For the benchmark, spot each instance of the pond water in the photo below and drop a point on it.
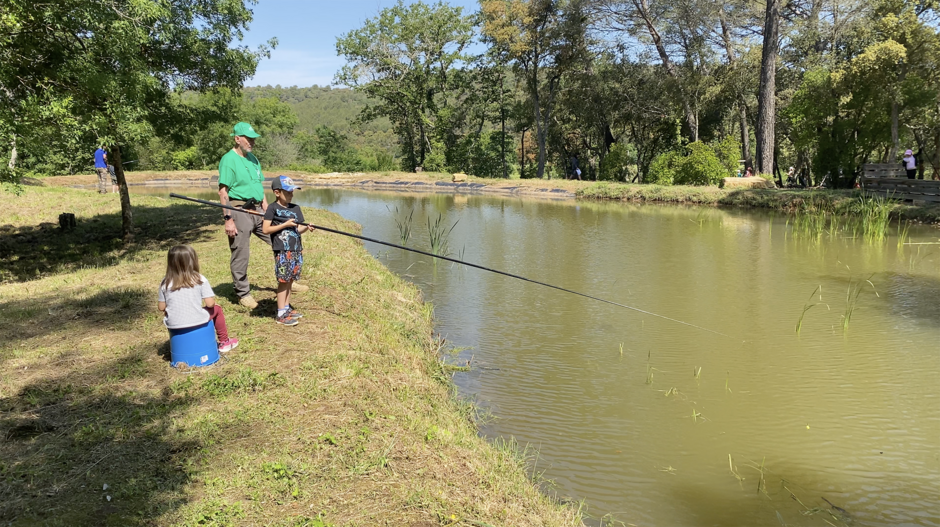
(747, 422)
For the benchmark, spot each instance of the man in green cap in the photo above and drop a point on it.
(241, 185)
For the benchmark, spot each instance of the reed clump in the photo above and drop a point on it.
(403, 222)
(439, 235)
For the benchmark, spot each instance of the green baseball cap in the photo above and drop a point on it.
(246, 130)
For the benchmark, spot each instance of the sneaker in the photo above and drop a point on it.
(298, 288)
(228, 345)
(286, 320)
(248, 302)
(295, 314)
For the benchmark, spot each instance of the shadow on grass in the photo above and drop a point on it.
(69, 443)
(73, 314)
(32, 251)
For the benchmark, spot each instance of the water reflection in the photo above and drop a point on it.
(852, 416)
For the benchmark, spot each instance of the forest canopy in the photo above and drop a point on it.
(664, 91)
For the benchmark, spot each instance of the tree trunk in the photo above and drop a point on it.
(745, 133)
(893, 152)
(539, 133)
(742, 103)
(766, 98)
(936, 155)
(12, 164)
(502, 120)
(691, 119)
(127, 219)
(777, 170)
(522, 158)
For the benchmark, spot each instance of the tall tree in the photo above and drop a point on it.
(118, 63)
(405, 59)
(767, 91)
(544, 39)
(674, 29)
(729, 15)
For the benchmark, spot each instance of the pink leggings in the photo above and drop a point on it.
(215, 314)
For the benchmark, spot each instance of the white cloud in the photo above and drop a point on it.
(293, 67)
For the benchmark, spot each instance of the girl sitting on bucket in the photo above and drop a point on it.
(183, 292)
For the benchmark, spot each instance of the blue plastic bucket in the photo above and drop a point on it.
(194, 346)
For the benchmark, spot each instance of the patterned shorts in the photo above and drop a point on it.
(287, 265)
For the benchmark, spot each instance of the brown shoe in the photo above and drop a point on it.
(248, 302)
(298, 288)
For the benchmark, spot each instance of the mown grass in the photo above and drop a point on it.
(346, 419)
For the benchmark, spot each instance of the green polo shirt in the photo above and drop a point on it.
(242, 176)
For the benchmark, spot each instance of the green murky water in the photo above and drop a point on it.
(656, 423)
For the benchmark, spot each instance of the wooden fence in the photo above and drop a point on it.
(881, 170)
(902, 188)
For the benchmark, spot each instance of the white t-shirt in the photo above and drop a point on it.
(184, 306)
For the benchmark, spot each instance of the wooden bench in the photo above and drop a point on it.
(902, 188)
(881, 170)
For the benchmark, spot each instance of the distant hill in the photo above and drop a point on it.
(335, 108)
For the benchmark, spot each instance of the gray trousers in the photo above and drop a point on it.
(104, 180)
(246, 224)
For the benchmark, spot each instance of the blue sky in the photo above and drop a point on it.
(306, 32)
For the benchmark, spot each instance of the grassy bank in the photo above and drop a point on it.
(346, 419)
(815, 201)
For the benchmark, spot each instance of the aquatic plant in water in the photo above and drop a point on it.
(807, 306)
(851, 300)
(439, 234)
(403, 223)
(875, 213)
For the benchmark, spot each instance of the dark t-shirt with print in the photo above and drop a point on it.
(287, 239)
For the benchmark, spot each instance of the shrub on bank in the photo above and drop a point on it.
(663, 169)
(700, 166)
(619, 164)
(697, 163)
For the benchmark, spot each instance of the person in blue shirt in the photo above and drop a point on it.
(101, 167)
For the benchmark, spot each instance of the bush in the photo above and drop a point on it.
(277, 150)
(700, 167)
(728, 151)
(531, 171)
(619, 164)
(435, 160)
(186, 159)
(663, 169)
(377, 161)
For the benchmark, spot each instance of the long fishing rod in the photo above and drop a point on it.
(432, 255)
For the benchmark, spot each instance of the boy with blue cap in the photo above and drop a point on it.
(282, 222)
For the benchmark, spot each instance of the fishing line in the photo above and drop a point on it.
(432, 255)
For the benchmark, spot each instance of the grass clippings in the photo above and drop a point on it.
(348, 418)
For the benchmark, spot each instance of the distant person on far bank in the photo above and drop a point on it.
(575, 169)
(749, 172)
(910, 164)
(101, 167)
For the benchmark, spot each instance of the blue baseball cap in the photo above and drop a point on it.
(284, 183)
